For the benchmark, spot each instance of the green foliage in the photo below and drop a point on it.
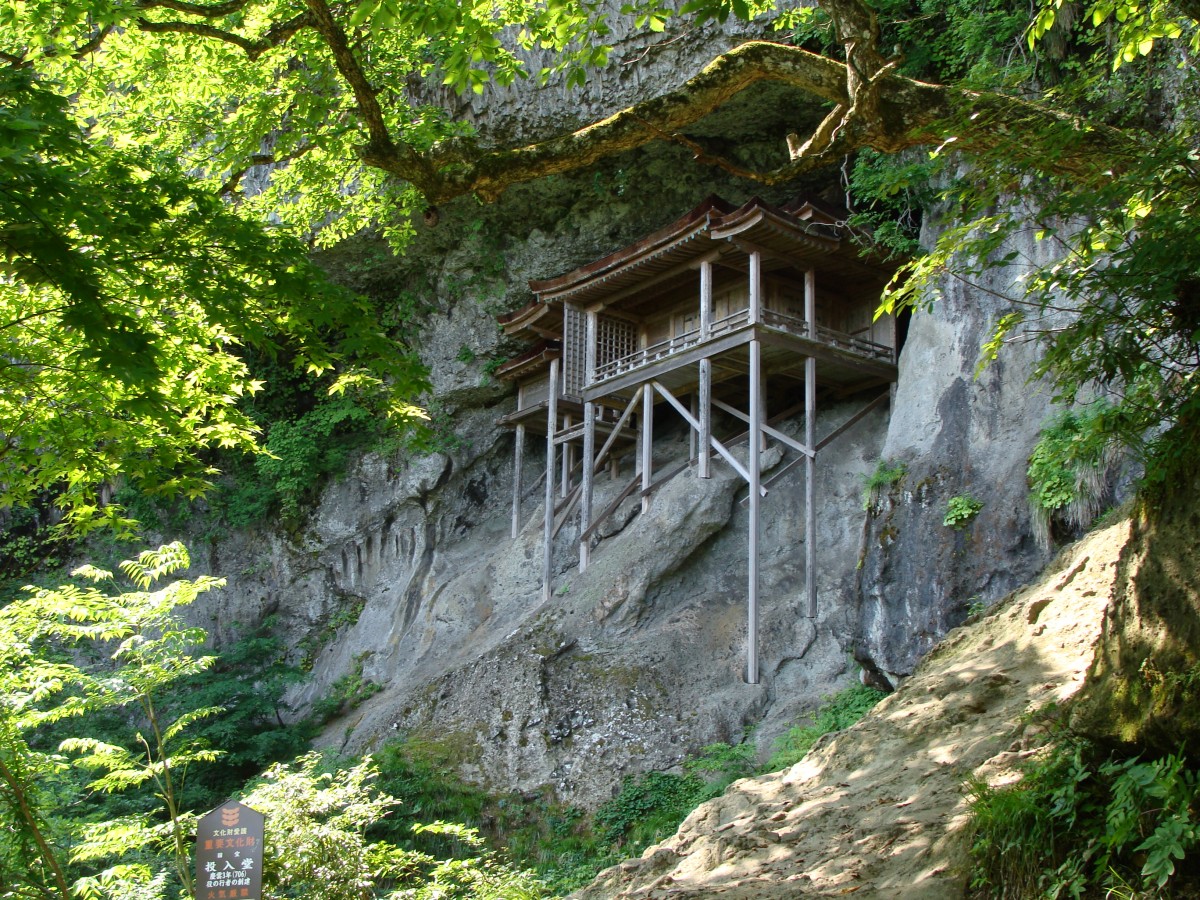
(318, 843)
(839, 712)
(648, 808)
(1074, 824)
(127, 291)
(1069, 467)
(980, 42)
(247, 680)
(888, 193)
(722, 764)
(346, 693)
(1110, 291)
(316, 823)
(885, 475)
(960, 510)
(1139, 26)
(148, 650)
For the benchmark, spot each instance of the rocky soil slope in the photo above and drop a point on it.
(879, 810)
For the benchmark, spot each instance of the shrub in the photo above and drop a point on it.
(1069, 468)
(1073, 826)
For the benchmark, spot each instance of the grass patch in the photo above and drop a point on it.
(838, 712)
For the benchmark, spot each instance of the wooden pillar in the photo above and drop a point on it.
(585, 484)
(694, 409)
(704, 466)
(810, 302)
(518, 463)
(704, 413)
(810, 440)
(589, 443)
(567, 460)
(755, 287)
(548, 541)
(810, 489)
(754, 469)
(647, 444)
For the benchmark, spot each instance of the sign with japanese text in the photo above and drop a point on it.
(229, 844)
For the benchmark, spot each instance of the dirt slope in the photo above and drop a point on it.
(878, 810)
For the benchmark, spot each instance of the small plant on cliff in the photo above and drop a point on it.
(1069, 468)
(960, 510)
(885, 475)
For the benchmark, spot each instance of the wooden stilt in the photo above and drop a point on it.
(518, 464)
(810, 439)
(589, 443)
(567, 461)
(810, 489)
(548, 541)
(755, 288)
(754, 469)
(585, 484)
(704, 411)
(704, 465)
(694, 407)
(647, 454)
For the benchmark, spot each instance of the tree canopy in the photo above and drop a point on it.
(124, 274)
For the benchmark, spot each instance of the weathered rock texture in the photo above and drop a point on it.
(959, 430)
(879, 810)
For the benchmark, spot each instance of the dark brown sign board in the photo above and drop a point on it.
(229, 854)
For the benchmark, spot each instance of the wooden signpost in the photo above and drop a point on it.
(229, 854)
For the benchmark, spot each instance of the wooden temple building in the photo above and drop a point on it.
(718, 311)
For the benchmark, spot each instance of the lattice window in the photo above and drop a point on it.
(615, 339)
(574, 350)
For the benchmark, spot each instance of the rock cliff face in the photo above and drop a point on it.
(405, 576)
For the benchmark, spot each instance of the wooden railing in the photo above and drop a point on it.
(772, 318)
(669, 347)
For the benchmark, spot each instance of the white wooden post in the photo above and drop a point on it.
(647, 444)
(810, 489)
(518, 464)
(755, 287)
(567, 453)
(753, 467)
(810, 439)
(704, 464)
(551, 423)
(589, 443)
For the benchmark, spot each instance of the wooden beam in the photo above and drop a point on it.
(643, 286)
(766, 429)
(756, 299)
(717, 445)
(567, 452)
